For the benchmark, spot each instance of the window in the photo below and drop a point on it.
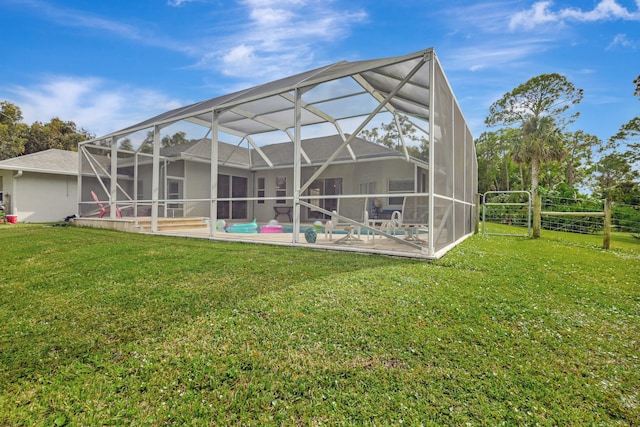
(175, 186)
(368, 188)
(261, 190)
(281, 189)
(239, 189)
(399, 187)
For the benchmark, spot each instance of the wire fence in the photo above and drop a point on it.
(512, 209)
(625, 218)
(573, 224)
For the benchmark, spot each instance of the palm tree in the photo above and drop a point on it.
(538, 108)
(541, 142)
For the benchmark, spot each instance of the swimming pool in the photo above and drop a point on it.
(288, 228)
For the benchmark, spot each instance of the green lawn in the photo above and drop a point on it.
(107, 328)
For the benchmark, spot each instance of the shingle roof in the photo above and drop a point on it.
(53, 161)
(319, 150)
(281, 154)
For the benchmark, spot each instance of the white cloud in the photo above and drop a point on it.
(537, 15)
(280, 37)
(261, 40)
(496, 55)
(604, 11)
(178, 3)
(622, 40)
(541, 13)
(91, 103)
(77, 18)
(138, 33)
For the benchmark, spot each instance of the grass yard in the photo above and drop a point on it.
(107, 328)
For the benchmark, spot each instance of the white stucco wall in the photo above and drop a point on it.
(39, 197)
(353, 175)
(197, 183)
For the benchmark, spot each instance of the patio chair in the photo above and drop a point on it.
(379, 219)
(104, 209)
(348, 214)
(414, 217)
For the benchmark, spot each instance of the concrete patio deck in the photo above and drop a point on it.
(199, 228)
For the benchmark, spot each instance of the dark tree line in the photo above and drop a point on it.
(17, 138)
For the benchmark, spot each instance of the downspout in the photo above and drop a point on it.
(14, 199)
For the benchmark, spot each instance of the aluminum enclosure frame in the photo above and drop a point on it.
(340, 101)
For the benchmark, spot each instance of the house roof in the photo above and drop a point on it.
(52, 161)
(318, 151)
(62, 162)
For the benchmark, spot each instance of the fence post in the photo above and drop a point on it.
(476, 228)
(537, 220)
(607, 224)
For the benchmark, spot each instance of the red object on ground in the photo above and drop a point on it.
(13, 219)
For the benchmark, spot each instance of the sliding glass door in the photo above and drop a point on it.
(323, 187)
(234, 187)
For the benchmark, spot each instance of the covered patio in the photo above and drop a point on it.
(375, 154)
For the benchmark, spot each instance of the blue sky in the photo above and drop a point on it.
(107, 65)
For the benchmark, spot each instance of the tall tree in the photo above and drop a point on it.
(495, 165)
(539, 108)
(489, 162)
(629, 133)
(615, 177)
(392, 134)
(12, 132)
(580, 146)
(55, 134)
(177, 138)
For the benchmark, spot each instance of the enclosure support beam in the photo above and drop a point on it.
(155, 180)
(432, 156)
(135, 186)
(476, 227)
(297, 148)
(366, 121)
(113, 190)
(213, 205)
(81, 150)
(323, 115)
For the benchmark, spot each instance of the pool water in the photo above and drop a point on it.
(288, 228)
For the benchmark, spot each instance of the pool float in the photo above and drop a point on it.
(250, 227)
(271, 228)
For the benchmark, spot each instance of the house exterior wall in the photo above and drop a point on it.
(39, 197)
(197, 186)
(353, 176)
(197, 179)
